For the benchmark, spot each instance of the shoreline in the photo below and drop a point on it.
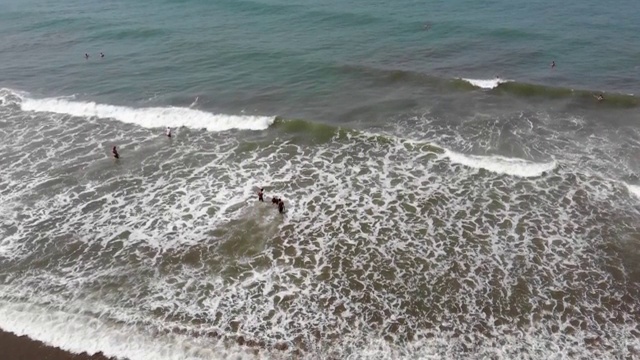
(16, 347)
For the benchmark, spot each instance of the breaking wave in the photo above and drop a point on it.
(150, 117)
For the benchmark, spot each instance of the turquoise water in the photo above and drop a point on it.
(448, 194)
(251, 52)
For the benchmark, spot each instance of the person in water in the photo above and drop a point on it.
(275, 200)
(114, 151)
(168, 132)
(261, 195)
(101, 55)
(599, 97)
(86, 56)
(280, 206)
(553, 64)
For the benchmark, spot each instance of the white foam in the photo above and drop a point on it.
(634, 189)
(10, 97)
(500, 164)
(151, 117)
(407, 204)
(78, 333)
(486, 83)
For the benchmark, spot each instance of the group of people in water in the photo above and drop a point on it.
(116, 155)
(274, 200)
(86, 55)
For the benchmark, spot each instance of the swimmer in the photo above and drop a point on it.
(101, 55)
(168, 132)
(599, 97)
(261, 194)
(281, 206)
(553, 64)
(275, 200)
(114, 151)
(86, 56)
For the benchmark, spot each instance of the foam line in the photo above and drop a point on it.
(151, 117)
(501, 165)
(80, 333)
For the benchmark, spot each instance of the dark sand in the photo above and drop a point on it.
(13, 347)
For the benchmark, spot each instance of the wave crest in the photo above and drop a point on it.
(150, 117)
(500, 164)
(486, 83)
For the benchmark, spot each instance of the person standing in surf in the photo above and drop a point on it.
(553, 64)
(280, 206)
(168, 132)
(114, 151)
(261, 195)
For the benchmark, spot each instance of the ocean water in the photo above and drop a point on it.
(448, 194)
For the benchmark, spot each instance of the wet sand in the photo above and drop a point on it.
(23, 348)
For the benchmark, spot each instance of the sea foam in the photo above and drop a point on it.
(634, 189)
(500, 164)
(150, 117)
(486, 83)
(78, 333)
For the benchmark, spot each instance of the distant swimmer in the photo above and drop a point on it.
(101, 55)
(599, 97)
(114, 151)
(261, 195)
(168, 132)
(275, 200)
(86, 56)
(553, 64)
(281, 206)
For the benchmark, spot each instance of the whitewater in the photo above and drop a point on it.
(195, 119)
(395, 244)
(149, 117)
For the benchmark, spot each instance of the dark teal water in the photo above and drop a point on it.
(432, 209)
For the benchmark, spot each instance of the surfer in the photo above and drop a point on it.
(280, 206)
(261, 195)
(599, 97)
(168, 132)
(114, 151)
